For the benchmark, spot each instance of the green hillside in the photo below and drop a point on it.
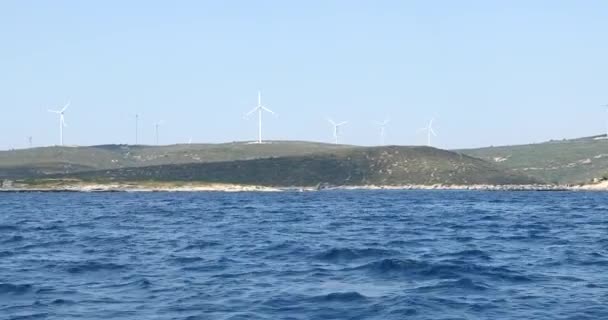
(563, 161)
(62, 160)
(351, 166)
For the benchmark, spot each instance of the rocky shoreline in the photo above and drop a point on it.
(177, 187)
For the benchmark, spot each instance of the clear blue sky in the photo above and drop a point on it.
(491, 72)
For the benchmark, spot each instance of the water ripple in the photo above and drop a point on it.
(322, 255)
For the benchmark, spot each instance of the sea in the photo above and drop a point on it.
(350, 254)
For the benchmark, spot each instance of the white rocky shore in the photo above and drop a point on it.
(134, 187)
(79, 186)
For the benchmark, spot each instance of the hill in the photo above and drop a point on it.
(65, 160)
(563, 161)
(343, 166)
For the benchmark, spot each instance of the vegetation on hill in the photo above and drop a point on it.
(564, 161)
(346, 166)
(64, 160)
(306, 163)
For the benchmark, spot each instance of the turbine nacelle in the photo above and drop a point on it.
(336, 124)
(382, 123)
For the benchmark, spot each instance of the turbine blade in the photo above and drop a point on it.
(433, 132)
(63, 123)
(331, 121)
(268, 110)
(66, 106)
(342, 123)
(252, 111)
(54, 111)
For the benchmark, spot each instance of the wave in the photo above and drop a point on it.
(57, 243)
(346, 254)
(186, 260)
(4, 254)
(8, 227)
(31, 316)
(198, 245)
(386, 266)
(462, 284)
(108, 240)
(283, 246)
(473, 253)
(49, 228)
(599, 263)
(15, 238)
(442, 270)
(218, 265)
(9, 288)
(62, 302)
(492, 218)
(141, 283)
(93, 266)
(340, 297)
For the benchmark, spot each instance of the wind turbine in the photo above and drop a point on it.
(136, 128)
(260, 108)
(336, 128)
(156, 126)
(382, 125)
(429, 130)
(606, 106)
(62, 123)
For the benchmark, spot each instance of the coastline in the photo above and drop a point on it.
(222, 187)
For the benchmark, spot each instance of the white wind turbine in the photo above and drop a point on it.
(62, 123)
(260, 109)
(336, 128)
(429, 130)
(606, 106)
(136, 129)
(382, 125)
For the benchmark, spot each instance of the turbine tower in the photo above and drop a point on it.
(136, 129)
(260, 108)
(606, 106)
(382, 125)
(429, 130)
(62, 123)
(156, 126)
(336, 128)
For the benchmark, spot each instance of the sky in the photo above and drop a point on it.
(489, 72)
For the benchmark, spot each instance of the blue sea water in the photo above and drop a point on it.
(318, 255)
